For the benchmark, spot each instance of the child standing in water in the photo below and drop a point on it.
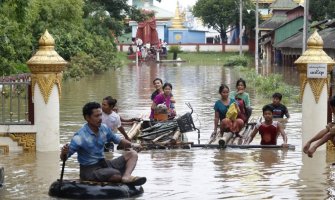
(269, 129)
(279, 110)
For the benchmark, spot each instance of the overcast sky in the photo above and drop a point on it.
(170, 5)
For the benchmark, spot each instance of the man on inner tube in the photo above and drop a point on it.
(89, 143)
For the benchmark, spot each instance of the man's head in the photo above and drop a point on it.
(267, 112)
(276, 98)
(108, 103)
(92, 114)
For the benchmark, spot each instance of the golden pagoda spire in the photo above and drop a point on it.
(46, 67)
(177, 21)
(314, 55)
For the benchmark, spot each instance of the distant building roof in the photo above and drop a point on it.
(288, 21)
(283, 5)
(274, 22)
(328, 36)
(287, 29)
(279, 9)
(299, 7)
(295, 41)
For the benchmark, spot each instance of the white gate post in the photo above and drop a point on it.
(46, 67)
(314, 66)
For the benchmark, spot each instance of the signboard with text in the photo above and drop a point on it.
(317, 70)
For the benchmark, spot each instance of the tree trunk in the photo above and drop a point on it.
(223, 38)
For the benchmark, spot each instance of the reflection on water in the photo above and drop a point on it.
(180, 174)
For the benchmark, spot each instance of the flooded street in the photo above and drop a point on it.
(181, 174)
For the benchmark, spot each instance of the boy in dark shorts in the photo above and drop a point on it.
(269, 129)
(279, 110)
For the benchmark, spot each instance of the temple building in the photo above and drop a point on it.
(179, 33)
(162, 17)
(265, 10)
(173, 28)
(281, 14)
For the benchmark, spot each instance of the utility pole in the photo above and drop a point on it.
(256, 39)
(305, 28)
(240, 27)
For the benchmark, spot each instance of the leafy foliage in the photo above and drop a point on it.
(322, 9)
(84, 32)
(236, 60)
(112, 14)
(15, 42)
(220, 14)
(175, 49)
(267, 85)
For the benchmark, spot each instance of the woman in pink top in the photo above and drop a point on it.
(164, 98)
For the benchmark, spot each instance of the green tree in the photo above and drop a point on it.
(82, 29)
(322, 9)
(15, 42)
(111, 14)
(220, 14)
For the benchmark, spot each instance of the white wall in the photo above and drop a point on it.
(13, 145)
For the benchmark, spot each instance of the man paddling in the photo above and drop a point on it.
(89, 143)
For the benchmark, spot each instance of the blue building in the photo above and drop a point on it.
(178, 33)
(170, 28)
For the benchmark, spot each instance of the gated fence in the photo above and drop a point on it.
(16, 106)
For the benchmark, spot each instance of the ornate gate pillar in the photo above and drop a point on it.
(314, 66)
(46, 67)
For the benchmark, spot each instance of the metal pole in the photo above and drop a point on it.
(137, 55)
(61, 177)
(240, 27)
(256, 39)
(304, 33)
